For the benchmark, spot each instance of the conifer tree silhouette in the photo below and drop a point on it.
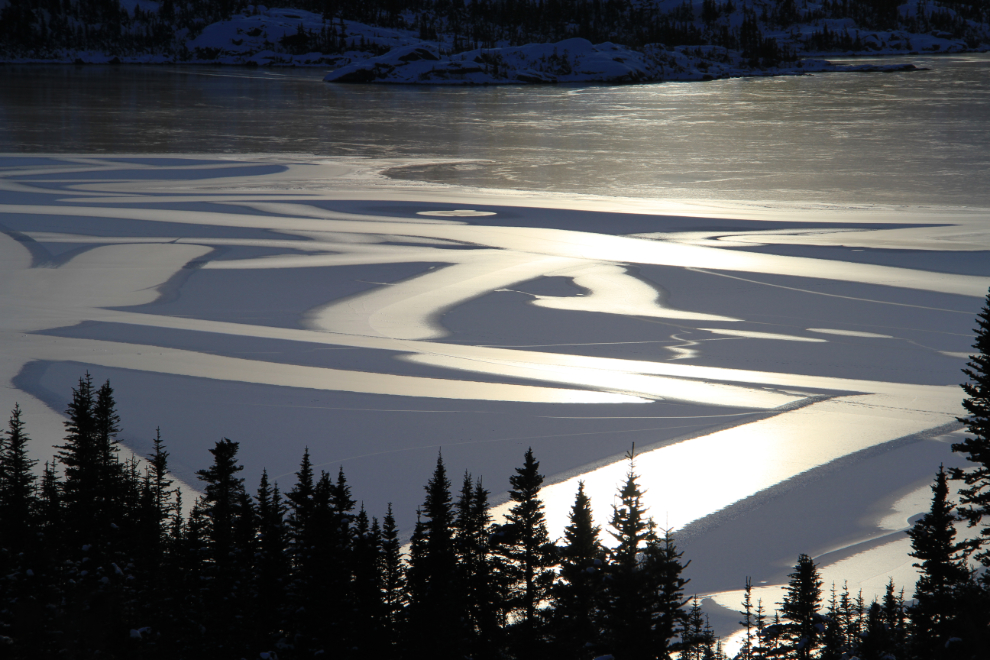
(529, 556)
(802, 601)
(272, 572)
(577, 594)
(935, 613)
(227, 518)
(643, 604)
(435, 623)
(18, 489)
(393, 580)
(975, 497)
(481, 573)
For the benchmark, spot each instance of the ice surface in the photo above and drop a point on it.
(740, 362)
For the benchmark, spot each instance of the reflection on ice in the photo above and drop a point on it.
(740, 461)
(849, 333)
(555, 243)
(137, 247)
(204, 365)
(751, 334)
(457, 213)
(411, 309)
(947, 237)
(657, 387)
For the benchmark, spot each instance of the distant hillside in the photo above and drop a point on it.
(759, 34)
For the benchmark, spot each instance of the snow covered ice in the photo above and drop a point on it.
(378, 323)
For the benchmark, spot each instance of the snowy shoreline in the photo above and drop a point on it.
(267, 37)
(571, 61)
(610, 64)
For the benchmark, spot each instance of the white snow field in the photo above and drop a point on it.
(789, 374)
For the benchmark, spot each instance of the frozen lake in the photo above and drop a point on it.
(768, 285)
(895, 138)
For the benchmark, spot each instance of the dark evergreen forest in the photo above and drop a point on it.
(43, 28)
(97, 560)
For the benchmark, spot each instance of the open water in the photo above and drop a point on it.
(891, 138)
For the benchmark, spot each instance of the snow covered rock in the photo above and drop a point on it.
(572, 60)
(569, 61)
(285, 36)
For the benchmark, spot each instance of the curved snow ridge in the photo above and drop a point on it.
(569, 61)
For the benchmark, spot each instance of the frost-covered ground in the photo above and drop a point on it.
(788, 374)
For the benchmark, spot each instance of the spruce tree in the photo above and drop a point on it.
(151, 549)
(664, 568)
(393, 581)
(342, 505)
(895, 618)
(491, 592)
(80, 457)
(107, 426)
(876, 642)
(578, 593)
(643, 604)
(335, 548)
(694, 639)
(800, 608)
(25, 567)
(321, 521)
(228, 516)
(434, 618)
(847, 619)
(975, 497)
(301, 498)
(18, 491)
(272, 571)
(324, 568)
(746, 649)
(627, 620)
(416, 585)
(51, 509)
(480, 572)
(936, 612)
(764, 642)
(194, 597)
(100, 493)
(306, 577)
(833, 639)
(857, 621)
(529, 556)
(161, 486)
(222, 499)
(245, 544)
(368, 616)
(113, 484)
(772, 642)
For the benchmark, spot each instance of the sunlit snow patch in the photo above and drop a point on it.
(457, 213)
(752, 334)
(849, 333)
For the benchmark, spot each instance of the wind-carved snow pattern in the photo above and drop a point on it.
(89, 243)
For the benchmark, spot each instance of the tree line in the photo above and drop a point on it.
(44, 28)
(97, 559)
